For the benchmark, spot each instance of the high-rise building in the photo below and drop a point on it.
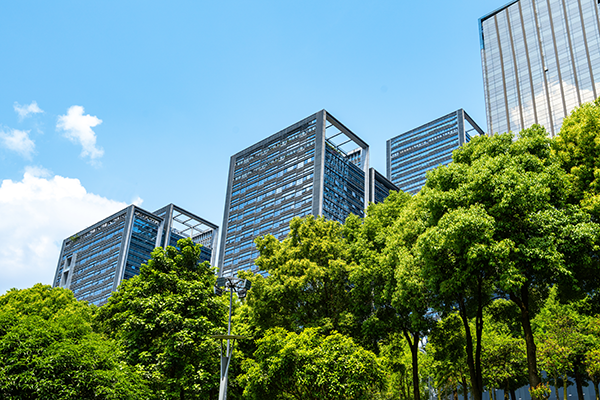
(93, 262)
(413, 153)
(316, 166)
(540, 59)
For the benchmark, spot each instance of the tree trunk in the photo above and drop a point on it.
(506, 391)
(455, 392)
(523, 303)
(578, 380)
(513, 395)
(465, 388)
(475, 381)
(493, 392)
(565, 381)
(414, 349)
(556, 388)
(596, 389)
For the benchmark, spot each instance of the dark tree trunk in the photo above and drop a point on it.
(513, 395)
(465, 388)
(506, 392)
(596, 389)
(522, 302)
(475, 382)
(414, 349)
(578, 380)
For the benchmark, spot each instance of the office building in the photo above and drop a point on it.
(379, 186)
(413, 153)
(316, 166)
(95, 261)
(540, 59)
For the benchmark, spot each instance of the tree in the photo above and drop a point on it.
(561, 332)
(446, 350)
(311, 366)
(592, 356)
(48, 350)
(520, 195)
(503, 360)
(163, 318)
(577, 148)
(461, 258)
(388, 296)
(308, 280)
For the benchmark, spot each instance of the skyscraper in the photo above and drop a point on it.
(413, 153)
(93, 262)
(540, 59)
(316, 166)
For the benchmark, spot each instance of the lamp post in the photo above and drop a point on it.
(241, 287)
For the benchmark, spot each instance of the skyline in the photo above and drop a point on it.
(144, 103)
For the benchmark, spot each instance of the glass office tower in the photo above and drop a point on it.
(93, 262)
(413, 153)
(316, 166)
(540, 59)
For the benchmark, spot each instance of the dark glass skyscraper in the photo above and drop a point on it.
(95, 261)
(540, 59)
(413, 153)
(316, 166)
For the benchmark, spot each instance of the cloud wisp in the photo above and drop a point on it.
(17, 141)
(78, 128)
(25, 111)
(37, 214)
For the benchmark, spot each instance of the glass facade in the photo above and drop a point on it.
(316, 166)
(540, 60)
(413, 153)
(96, 260)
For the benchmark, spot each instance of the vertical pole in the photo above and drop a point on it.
(225, 360)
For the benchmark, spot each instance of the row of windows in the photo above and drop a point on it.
(107, 250)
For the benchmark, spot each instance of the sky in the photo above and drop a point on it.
(104, 104)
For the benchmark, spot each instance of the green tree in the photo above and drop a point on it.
(163, 318)
(388, 294)
(48, 350)
(577, 148)
(460, 262)
(516, 195)
(308, 280)
(446, 350)
(561, 333)
(592, 356)
(308, 366)
(503, 360)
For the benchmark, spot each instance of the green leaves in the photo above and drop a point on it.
(48, 350)
(163, 318)
(310, 366)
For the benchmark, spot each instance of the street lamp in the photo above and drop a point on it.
(241, 287)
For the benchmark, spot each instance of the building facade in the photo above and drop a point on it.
(540, 60)
(413, 153)
(316, 166)
(93, 262)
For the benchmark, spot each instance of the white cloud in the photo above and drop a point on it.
(78, 128)
(26, 110)
(18, 141)
(37, 214)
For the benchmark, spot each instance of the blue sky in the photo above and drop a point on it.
(107, 103)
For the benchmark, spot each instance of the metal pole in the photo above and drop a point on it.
(225, 360)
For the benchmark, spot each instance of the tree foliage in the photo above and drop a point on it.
(311, 366)
(48, 350)
(163, 319)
